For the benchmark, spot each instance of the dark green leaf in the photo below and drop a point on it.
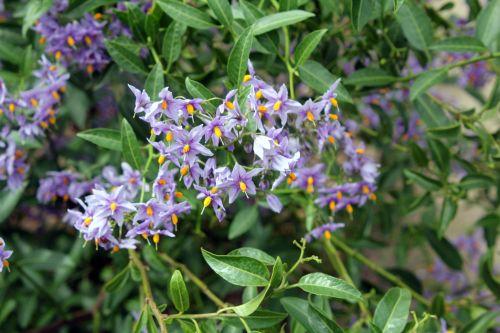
(307, 46)
(154, 82)
(34, 10)
(488, 25)
(459, 44)
(178, 292)
(278, 20)
(124, 57)
(118, 281)
(9, 200)
(238, 270)
(432, 115)
(251, 252)
(488, 275)
(188, 15)
(481, 323)
(326, 285)
(198, 90)
(363, 11)
(302, 311)
(416, 25)
(449, 131)
(223, 12)
(103, 137)
(238, 58)
(130, 146)
(427, 183)
(172, 42)
(425, 81)
(370, 77)
(259, 319)
(244, 220)
(392, 311)
(448, 212)
(440, 154)
(446, 251)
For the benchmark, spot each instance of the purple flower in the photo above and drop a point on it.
(311, 178)
(212, 198)
(330, 97)
(310, 112)
(216, 129)
(111, 204)
(278, 103)
(142, 101)
(324, 230)
(241, 181)
(187, 146)
(274, 203)
(4, 255)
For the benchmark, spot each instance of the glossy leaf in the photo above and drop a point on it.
(416, 25)
(307, 46)
(326, 285)
(370, 77)
(303, 312)
(392, 311)
(238, 58)
(103, 137)
(244, 220)
(124, 57)
(459, 44)
(238, 270)
(320, 79)
(425, 81)
(185, 14)
(278, 20)
(154, 81)
(223, 12)
(178, 292)
(258, 254)
(130, 146)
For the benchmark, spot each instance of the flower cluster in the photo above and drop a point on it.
(26, 116)
(79, 43)
(4, 255)
(196, 144)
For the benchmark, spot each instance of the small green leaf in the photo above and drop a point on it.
(238, 270)
(87, 6)
(244, 220)
(363, 11)
(188, 15)
(448, 131)
(9, 200)
(34, 10)
(440, 155)
(425, 81)
(473, 181)
(392, 311)
(178, 292)
(259, 319)
(326, 285)
(307, 46)
(488, 25)
(487, 273)
(427, 183)
(416, 25)
(238, 58)
(278, 20)
(448, 212)
(431, 114)
(305, 314)
(370, 77)
(459, 44)
(320, 79)
(172, 42)
(481, 323)
(154, 81)
(446, 251)
(124, 57)
(118, 281)
(130, 146)
(223, 12)
(251, 252)
(103, 137)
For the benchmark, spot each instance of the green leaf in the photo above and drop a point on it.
(363, 11)
(392, 311)
(488, 25)
(416, 25)
(481, 323)
(223, 12)
(11, 53)
(188, 15)
(238, 58)
(34, 10)
(288, 5)
(278, 20)
(9, 200)
(427, 183)
(431, 114)
(326, 285)
(198, 90)
(118, 281)
(397, 4)
(459, 44)
(259, 319)
(307, 46)
(87, 6)
(178, 292)
(76, 105)
(152, 23)
(370, 77)
(238, 270)
(473, 181)
(441, 155)
(251, 252)
(425, 81)
(446, 250)
(154, 82)
(305, 314)
(448, 212)
(172, 42)
(448, 131)
(130, 146)
(124, 57)
(103, 137)
(487, 273)
(244, 220)
(320, 79)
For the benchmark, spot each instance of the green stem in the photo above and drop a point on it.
(287, 59)
(134, 257)
(203, 287)
(376, 268)
(210, 315)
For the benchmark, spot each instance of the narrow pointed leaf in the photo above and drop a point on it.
(370, 77)
(448, 212)
(326, 285)
(488, 25)
(392, 311)
(307, 46)
(238, 58)
(425, 81)
(188, 15)
(278, 20)
(124, 57)
(459, 44)
(172, 42)
(223, 12)
(103, 137)
(154, 81)
(416, 25)
(130, 146)
(178, 292)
